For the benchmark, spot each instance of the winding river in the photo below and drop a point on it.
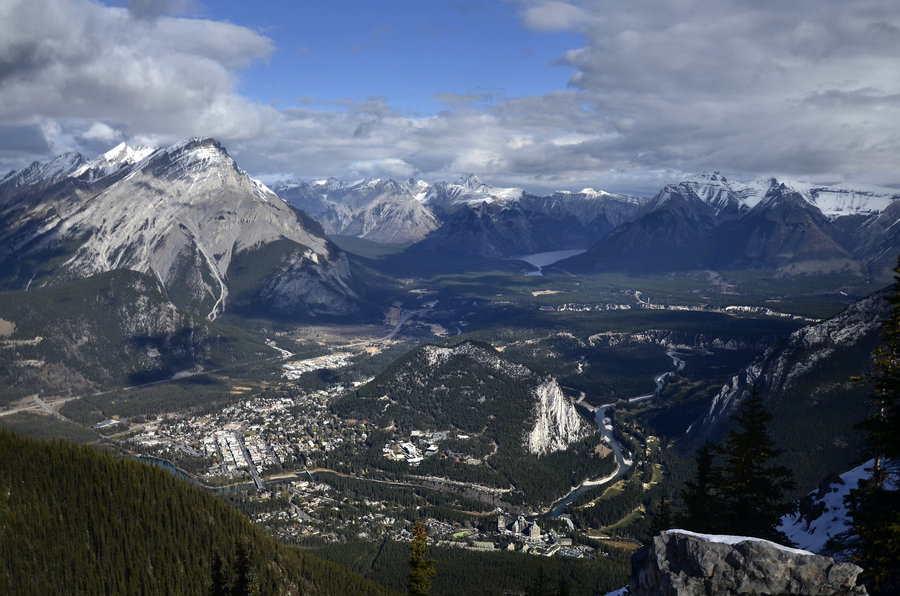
(624, 460)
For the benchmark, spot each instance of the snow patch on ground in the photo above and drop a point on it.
(813, 535)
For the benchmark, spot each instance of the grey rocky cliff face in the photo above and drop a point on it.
(683, 563)
(784, 364)
(181, 214)
(378, 210)
(557, 423)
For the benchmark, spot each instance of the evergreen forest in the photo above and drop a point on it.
(75, 520)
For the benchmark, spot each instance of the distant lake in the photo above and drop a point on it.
(539, 260)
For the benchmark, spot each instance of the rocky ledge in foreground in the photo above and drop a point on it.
(683, 563)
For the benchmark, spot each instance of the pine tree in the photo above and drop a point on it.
(874, 506)
(245, 581)
(663, 519)
(700, 500)
(751, 486)
(421, 569)
(219, 585)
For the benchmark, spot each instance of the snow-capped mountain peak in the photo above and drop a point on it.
(590, 193)
(195, 154)
(182, 214)
(832, 200)
(122, 153)
(715, 190)
(120, 156)
(838, 200)
(468, 191)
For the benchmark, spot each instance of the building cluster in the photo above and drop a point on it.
(313, 509)
(421, 444)
(295, 369)
(269, 433)
(512, 533)
(310, 508)
(223, 447)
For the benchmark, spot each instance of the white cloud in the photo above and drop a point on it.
(807, 89)
(84, 64)
(555, 16)
(102, 132)
(391, 167)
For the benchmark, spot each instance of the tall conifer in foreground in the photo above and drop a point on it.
(746, 494)
(702, 508)
(420, 569)
(874, 506)
(752, 486)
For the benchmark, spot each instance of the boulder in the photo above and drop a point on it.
(683, 563)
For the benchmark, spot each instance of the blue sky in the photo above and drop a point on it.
(540, 94)
(414, 54)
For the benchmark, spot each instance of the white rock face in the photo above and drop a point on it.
(557, 423)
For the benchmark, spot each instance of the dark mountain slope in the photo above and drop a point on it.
(781, 229)
(673, 233)
(806, 382)
(495, 231)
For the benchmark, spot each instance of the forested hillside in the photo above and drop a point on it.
(112, 329)
(470, 388)
(77, 521)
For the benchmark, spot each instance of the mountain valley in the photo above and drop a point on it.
(341, 359)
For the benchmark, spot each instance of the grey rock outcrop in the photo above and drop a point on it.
(684, 563)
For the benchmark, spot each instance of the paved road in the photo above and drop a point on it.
(253, 471)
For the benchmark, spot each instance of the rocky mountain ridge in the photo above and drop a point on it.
(182, 214)
(807, 376)
(495, 221)
(704, 220)
(792, 228)
(384, 211)
(783, 365)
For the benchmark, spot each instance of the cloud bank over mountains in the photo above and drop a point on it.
(807, 89)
